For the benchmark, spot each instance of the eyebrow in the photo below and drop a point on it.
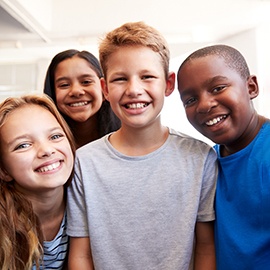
(25, 136)
(17, 139)
(68, 78)
(213, 79)
(186, 92)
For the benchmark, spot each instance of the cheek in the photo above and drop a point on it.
(98, 100)
(69, 157)
(99, 96)
(60, 95)
(70, 160)
(190, 113)
(96, 92)
(16, 167)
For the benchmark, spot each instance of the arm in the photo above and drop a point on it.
(80, 254)
(204, 257)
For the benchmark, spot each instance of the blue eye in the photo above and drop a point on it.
(56, 136)
(147, 77)
(119, 79)
(22, 146)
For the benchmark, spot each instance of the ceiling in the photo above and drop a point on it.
(37, 28)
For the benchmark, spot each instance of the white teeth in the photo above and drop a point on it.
(136, 105)
(50, 167)
(215, 120)
(78, 104)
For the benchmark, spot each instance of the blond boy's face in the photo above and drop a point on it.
(136, 85)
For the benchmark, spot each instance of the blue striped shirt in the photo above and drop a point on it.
(55, 251)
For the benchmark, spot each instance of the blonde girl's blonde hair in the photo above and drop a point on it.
(20, 235)
(134, 34)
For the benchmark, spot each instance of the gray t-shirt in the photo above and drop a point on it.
(140, 212)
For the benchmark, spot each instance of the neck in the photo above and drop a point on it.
(139, 142)
(50, 209)
(250, 133)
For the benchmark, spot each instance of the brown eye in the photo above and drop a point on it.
(189, 102)
(63, 85)
(219, 88)
(86, 82)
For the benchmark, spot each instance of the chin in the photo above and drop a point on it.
(81, 119)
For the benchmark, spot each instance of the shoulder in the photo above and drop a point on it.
(92, 146)
(267, 124)
(189, 142)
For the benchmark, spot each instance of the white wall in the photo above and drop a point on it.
(40, 10)
(28, 76)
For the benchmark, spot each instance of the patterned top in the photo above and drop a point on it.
(55, 251)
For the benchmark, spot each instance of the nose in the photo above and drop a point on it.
(205, 104)
(134, 87)
(45, 149)
(76, 90)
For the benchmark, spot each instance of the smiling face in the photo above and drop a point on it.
(77, 88)
(35, 150)
(136, 85)
(217, 99)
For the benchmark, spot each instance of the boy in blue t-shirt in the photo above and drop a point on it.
(217, 89)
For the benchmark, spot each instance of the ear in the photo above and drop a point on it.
(170, 83)
(104, 88)
(253, 88)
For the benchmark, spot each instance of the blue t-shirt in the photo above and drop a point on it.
(242, 230)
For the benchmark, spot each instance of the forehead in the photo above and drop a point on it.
(209, 65)
(134, 56)
(72, 64)
(209, 62)
(200, 71)
(29, 117)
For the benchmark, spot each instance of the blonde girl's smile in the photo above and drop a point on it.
(36, 153)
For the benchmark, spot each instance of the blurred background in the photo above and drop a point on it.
(33, 31)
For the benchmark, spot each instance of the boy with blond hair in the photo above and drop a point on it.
(143, 195)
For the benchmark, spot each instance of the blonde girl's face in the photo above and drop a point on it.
(35, 150)
(78, 89)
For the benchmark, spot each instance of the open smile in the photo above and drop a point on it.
(50, 167)
(79, 104)
(215, 120)
(138, 105)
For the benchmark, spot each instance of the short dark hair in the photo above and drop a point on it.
(232, 57)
